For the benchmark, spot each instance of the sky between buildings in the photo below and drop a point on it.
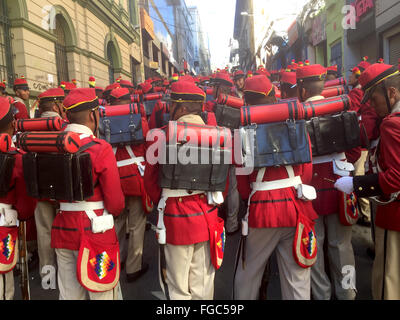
(217, 18)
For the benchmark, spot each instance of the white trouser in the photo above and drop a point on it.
(189, 271)
(45, 213)
(260, 243)
(131, 249)
(340, 253)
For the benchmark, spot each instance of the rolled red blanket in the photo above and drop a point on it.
(119, 110)
(272, 113)
(147, 97)
(5, 142)
(46, 142)
(39, 124)
(333, 91)
(336, 82)
(326, 106)
(293, 110)
(230, 101)
(202, 135)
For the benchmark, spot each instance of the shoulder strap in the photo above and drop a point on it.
(87, 146)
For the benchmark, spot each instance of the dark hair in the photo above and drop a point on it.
(253, 98)
(78, 117)
(313, 88)
(47, 105)
(288, 90)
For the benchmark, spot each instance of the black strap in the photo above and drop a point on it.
(317, 134)
(87, 146)
(289, 104)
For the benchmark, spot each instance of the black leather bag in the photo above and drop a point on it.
(122, 129)
(334, 133)
(59, 176)
(227, 116)
(7, 162)
(276, 144)
(210, 176)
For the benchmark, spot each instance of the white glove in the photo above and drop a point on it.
(345, 185)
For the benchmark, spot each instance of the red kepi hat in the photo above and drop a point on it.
(314, 72)
(186, 91)
(223, 78)
(21, 84)
(288, 77)
(52, 95)
(258, 85)
(81, 99)
(375, 75)
(119, 94)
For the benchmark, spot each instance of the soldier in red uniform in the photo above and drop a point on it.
(72, 224)
(369, 123)
(16, 199)
(331, 73)
(21, 90)
(288, 80)
(223, 84)
(272, 217)
(189, 270)
(131, 165)
(310, 84)
(50, 105)
(238, 78)
(381, 86)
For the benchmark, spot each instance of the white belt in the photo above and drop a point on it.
(99, 224)
(132, 160)
(259, 185)
(277, 184)
(329, 158)
(170, 193)
(81, 206)
(87, 206)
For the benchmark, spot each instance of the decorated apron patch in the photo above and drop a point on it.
(102, 264)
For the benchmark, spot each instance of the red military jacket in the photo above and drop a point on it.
(184, 217)
(388, 216)
(21, 108)
(327, 201)
(66, 229)
(18, 196)
(369, 122)
(131, 179)
(276, 208)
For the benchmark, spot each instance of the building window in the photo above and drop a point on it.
(336, 56)
(110, 49)
(394, 49)
(61, 52)
(6, 58)
(145, 45)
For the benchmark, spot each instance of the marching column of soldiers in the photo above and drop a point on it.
(309, 154)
